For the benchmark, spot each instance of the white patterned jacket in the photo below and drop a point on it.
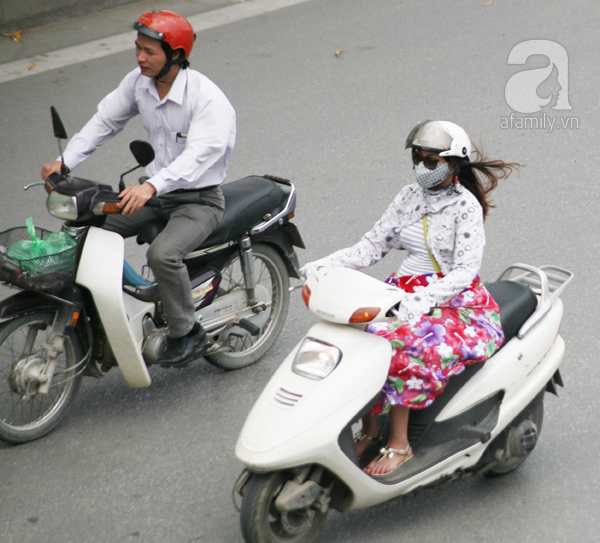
(455, 236)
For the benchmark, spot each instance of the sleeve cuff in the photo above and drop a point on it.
(159, 184)
(414, 306)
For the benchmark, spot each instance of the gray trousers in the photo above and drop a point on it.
(191, 216)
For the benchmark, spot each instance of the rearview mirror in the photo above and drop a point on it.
(57, 125)
(142, 151)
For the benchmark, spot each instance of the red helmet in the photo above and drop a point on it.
(167, 26)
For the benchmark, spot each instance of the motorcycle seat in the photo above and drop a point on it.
(517, 303)
(247, 201)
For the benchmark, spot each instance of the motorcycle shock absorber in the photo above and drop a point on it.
(247, 261)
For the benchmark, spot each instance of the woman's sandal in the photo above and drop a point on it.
(359, 437)
(388, 451)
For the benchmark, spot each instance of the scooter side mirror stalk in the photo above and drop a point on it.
(122, 181)
(143, 153)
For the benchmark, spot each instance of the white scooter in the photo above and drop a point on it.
(297, 443)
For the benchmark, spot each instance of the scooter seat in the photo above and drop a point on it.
(247, 201)
(517, 303)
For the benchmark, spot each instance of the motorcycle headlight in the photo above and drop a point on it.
(315, 359)
(62, 206)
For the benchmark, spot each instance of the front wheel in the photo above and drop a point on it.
(262, 522)
(238, 347)
(25, 413)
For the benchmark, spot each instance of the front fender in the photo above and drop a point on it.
(24, 302)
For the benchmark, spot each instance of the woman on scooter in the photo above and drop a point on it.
(447, 318)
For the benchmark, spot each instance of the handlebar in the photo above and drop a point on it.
(52, 180)
(56, 178)
(154, 202)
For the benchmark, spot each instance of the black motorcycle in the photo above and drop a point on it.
(83, 310)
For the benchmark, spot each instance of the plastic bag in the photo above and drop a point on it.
(26, 251)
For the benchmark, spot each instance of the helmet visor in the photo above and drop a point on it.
(147, 31)
(429, 136)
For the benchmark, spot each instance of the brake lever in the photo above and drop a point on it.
(27, 187)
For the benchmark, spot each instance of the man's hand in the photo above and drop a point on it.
(135, 197)
(50, 168)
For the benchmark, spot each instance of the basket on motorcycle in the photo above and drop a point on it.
(50, 272)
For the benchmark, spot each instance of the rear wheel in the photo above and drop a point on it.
(25, 413)
(239, 347)
(511, 464)
(262, 522)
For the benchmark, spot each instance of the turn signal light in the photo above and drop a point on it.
(364, 314)
(306, 294)
(111, 208)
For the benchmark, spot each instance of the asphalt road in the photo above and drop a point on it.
(326, 92)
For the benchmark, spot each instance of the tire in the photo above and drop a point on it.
(262, 523)
(25, 419)
(507, 466)
(273, 288)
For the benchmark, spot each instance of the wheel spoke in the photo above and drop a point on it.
(239, 348)
(22, 357)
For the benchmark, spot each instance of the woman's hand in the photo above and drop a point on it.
(135, 197)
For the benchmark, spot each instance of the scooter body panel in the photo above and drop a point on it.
(526, 363)
(136, 311)
(292, 406)
(101, 272)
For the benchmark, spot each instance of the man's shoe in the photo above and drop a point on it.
(180, 349)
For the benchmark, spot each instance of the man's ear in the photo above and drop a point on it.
(176, 54)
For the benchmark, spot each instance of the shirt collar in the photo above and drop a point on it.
(177, 88)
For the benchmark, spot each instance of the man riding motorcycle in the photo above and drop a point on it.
(192, 127)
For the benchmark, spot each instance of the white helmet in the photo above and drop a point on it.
(440, 137)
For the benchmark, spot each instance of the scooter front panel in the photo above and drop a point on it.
(101, 272)
(292, 406)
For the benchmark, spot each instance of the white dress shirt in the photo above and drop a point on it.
(194, 106)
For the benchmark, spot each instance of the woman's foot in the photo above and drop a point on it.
(389, 459)
(364, 442)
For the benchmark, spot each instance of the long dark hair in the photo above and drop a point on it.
(481, 176)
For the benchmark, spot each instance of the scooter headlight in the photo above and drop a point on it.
(315, 359)
(62, 206)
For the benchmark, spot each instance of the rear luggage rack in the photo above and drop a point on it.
(548, 282)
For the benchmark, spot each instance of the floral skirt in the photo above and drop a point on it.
(462, 331)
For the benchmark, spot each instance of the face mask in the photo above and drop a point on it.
(430, 178)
